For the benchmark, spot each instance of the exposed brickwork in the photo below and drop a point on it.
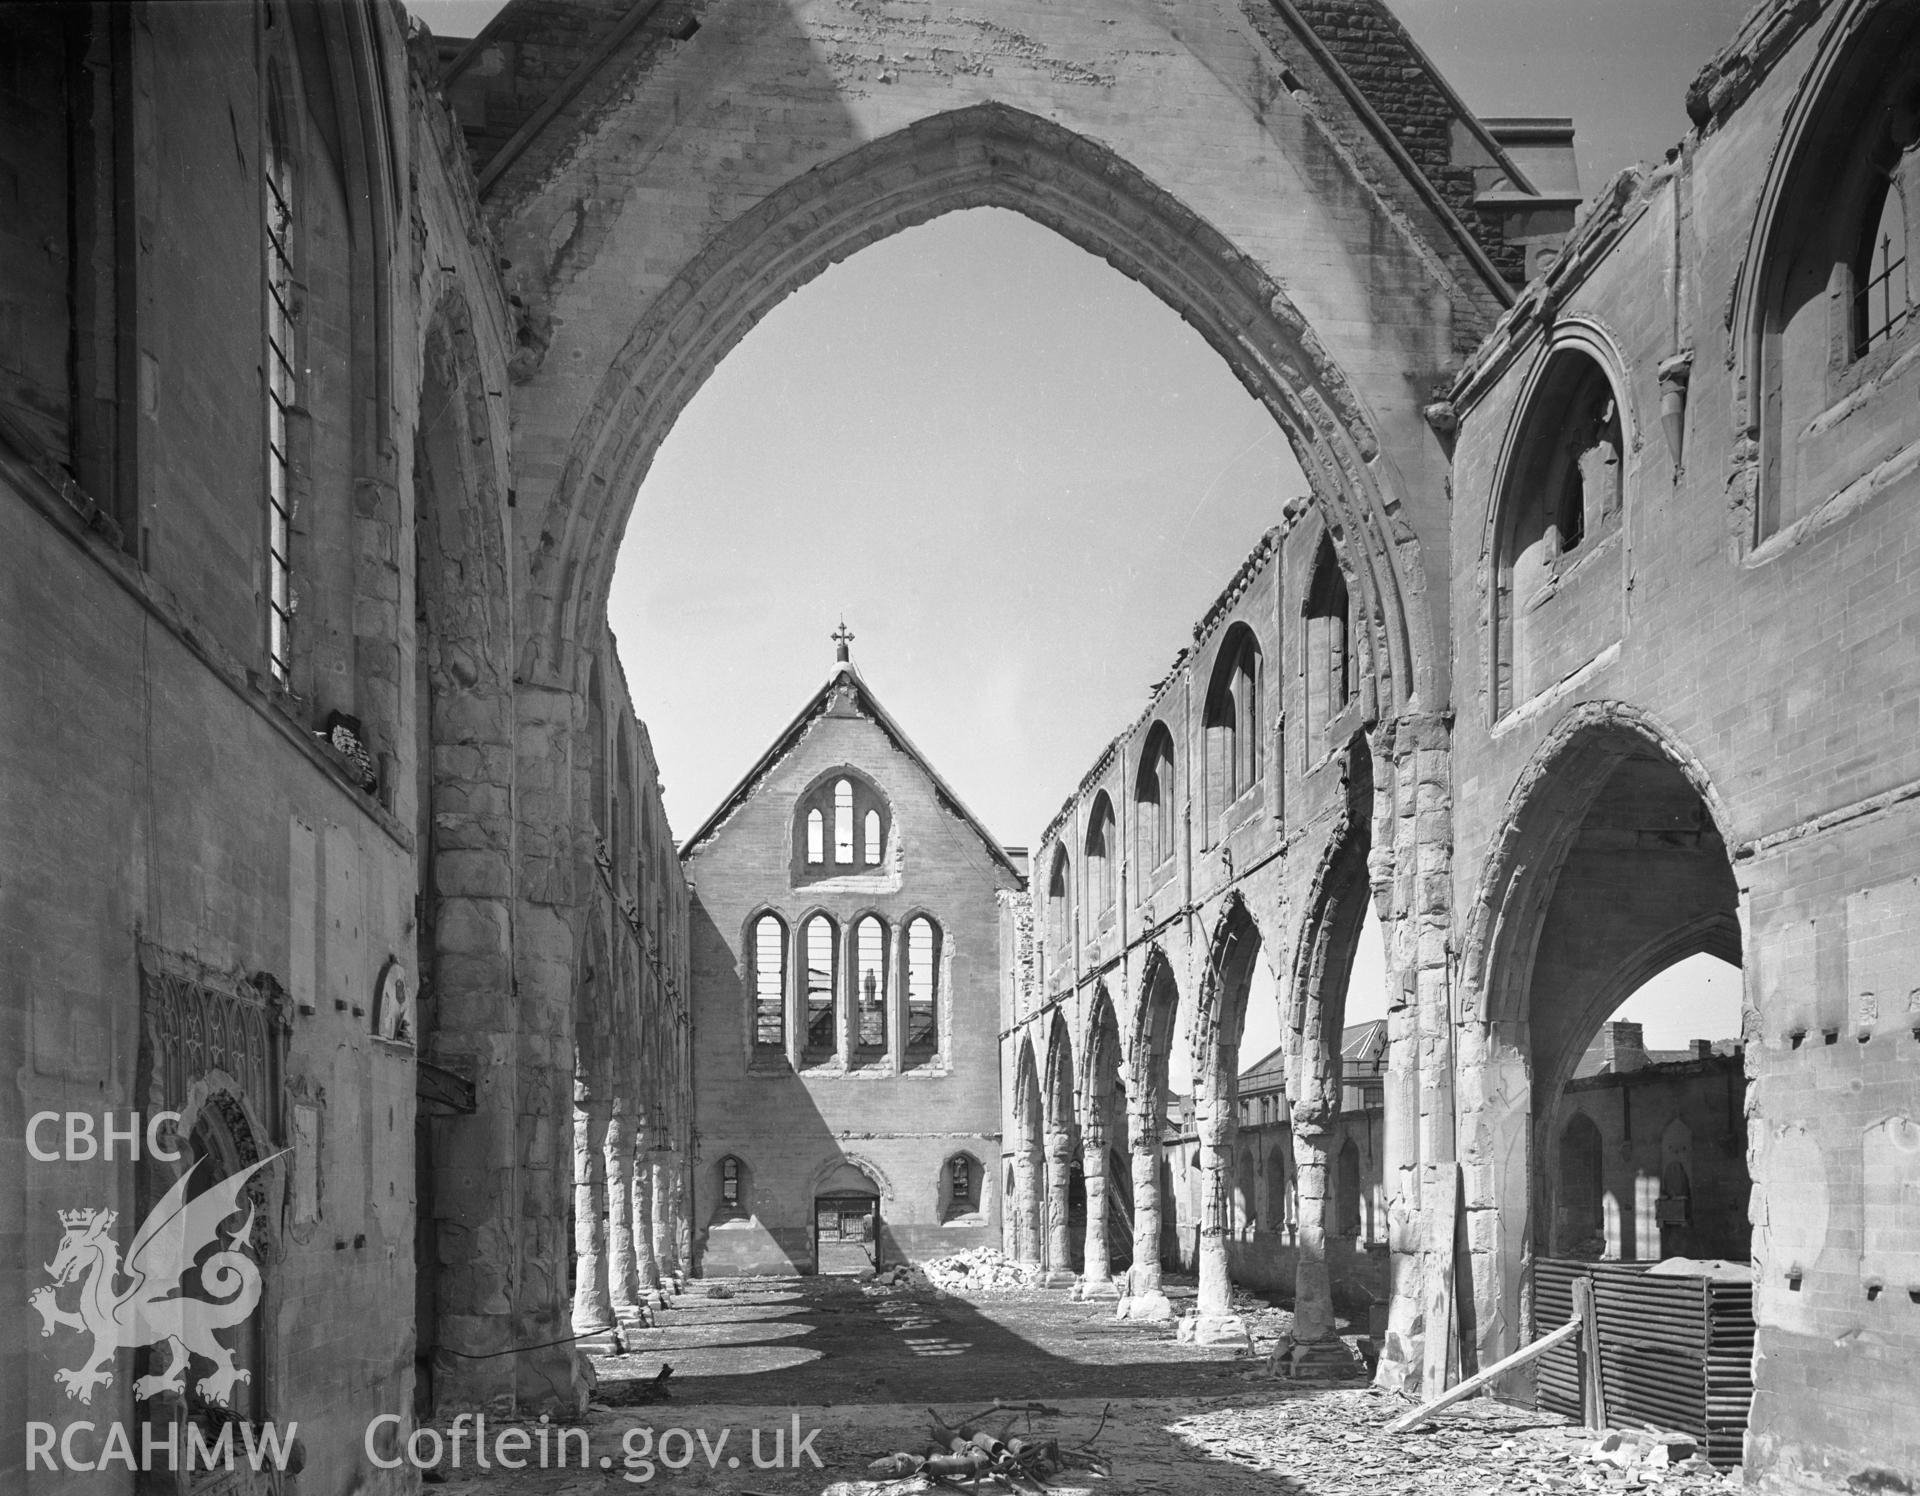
(1374, 50)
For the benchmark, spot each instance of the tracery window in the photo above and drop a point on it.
(923, 986)
(769, 984)
(841, 824)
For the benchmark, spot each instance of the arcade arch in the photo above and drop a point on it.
(1614, 867)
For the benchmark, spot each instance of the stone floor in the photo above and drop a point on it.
(864, 1364)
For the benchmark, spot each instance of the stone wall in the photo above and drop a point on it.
(1753, 676)
(790, 1119)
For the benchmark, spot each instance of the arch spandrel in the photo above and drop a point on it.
(654, 237)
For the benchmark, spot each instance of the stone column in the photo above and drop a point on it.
(1314, 1348)
(646, 1268)
(591, 1308)
(1096, 1282)
(1214, 1322)
(623, 1280)
(1144, 1299)
(1026, 1196)
(1059, 1247)
(664, 1237)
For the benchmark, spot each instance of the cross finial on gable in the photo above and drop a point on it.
(842, 637)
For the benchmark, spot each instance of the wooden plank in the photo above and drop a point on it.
(1485, 1379)
(1593, 1392)
(1440, 1196)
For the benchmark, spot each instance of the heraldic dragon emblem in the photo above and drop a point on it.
(151, 1305)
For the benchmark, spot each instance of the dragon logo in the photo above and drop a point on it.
(152, 1305)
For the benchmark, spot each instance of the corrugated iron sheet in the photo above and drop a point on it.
(1674, 1352)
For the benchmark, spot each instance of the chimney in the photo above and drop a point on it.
(1702, 1048)
(1622, 1047)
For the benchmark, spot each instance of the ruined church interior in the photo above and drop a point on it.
(400, 1094)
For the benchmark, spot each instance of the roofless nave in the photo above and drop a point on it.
(1591, 648)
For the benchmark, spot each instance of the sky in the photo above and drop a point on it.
(1020, 478)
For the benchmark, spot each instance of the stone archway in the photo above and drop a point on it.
(636, 265)
(1059, 1125)
(1235, 948)
(1104, 1100)
(1613, 863)
(1024, 1218)
(987, 155)
(1156, 1018)
(1323, 961)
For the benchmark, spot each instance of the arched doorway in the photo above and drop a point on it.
(1615, 870)
(846, 1222)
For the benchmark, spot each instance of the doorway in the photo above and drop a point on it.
(846, 1233)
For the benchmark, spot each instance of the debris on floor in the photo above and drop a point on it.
(981, 1270)
(971, 1452)
(1332, 1443)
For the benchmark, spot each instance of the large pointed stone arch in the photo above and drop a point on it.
(1519, 1053)
(984, 155)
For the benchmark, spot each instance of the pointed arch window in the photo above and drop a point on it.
(841, 824)
(1562, 495)
(870, 986)
(923, 986)
(769, 985)
(1233, 721)
(1102, 857)
(821, 942)
(1059, 906)
(1153, 799)
(1326, 639)
(282, 389)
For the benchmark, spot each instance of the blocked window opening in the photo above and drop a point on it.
(823, 968)
(1579, 1217)
(923, 986)
(769, 983)
(870, 986)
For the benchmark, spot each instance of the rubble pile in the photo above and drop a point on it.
(1332, 1444)
(981, 1270)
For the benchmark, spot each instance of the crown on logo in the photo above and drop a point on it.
(76, 1217)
